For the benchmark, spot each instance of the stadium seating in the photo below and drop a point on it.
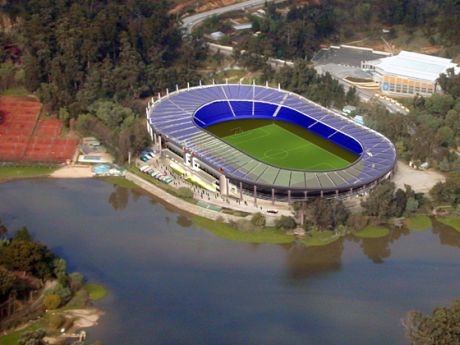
(220, 111)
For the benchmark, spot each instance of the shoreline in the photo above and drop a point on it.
(207, 218)
(76, 316)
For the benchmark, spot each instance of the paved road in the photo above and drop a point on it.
(189, 22)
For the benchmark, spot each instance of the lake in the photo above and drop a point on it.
(172, 282)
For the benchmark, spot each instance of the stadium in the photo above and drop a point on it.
(269, 143)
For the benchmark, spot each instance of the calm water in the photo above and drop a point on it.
(173, 283)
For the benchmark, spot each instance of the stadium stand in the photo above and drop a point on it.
(180, 118)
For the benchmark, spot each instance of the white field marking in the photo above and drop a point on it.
(252, 137)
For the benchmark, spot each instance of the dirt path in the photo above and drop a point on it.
(421, 181)
(83, 318)
(73, 171)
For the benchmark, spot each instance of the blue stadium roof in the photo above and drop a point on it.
(182, 116)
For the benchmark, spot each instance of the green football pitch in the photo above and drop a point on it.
(283, 145)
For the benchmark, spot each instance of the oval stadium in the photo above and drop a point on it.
(269, 143)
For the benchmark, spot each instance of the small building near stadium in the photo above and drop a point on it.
(409, 73)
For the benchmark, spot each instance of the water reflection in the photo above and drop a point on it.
(378, 249)
(304, 262)
(190, 287)
(119, 198)
(183, 221)
(447, 235)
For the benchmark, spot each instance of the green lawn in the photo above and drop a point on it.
(96, 291)
(119, 181)
(372, 232)
(453, 222)
(227, 232)
(8, 172)
(283, 145)
(418, 223)
(12, 338)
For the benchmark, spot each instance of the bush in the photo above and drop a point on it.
(285, 222)
(242, 225)
(33, 338)
(63, 292)
(55, 322)
(76, 281)
(79, 300)
(52, 301)
(411, 205)
(258, 219)
(357, 222)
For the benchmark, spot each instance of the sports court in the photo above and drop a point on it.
(24, 136)
(277, 145)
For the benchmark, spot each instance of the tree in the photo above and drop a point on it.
(27, 256)
(448, 191)
(128, 71)
(112, 114)
(76, 281)
(258, 220)
(63, 292)
(33, 338)
(133, 138)
(7, 281)
(52, 301)
(400, 201)
(22, 235)
(327, 214)
(411, 205)
(3, 231)
(441, 327)
(444, 136)
(379, 203)
(285, 222)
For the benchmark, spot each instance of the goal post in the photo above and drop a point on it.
(236, 130)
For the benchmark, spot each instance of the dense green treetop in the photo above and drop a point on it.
(76, 52)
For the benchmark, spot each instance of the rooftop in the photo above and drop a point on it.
(416, 65)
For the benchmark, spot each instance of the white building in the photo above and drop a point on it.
(409, 73)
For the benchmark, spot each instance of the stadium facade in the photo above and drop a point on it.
(178, 121)
(409, 73)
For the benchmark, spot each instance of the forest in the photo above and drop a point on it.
(82, 56)
(86, 59)
(303, 29)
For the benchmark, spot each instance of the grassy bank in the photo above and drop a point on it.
(12, 172)
(320, 238)
(372, 231)
(418, 223)
(12, 338)
(227, 232)
(119, 181)
(453, 222)
(96, 291)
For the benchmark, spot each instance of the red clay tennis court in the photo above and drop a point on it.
(25, 137)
